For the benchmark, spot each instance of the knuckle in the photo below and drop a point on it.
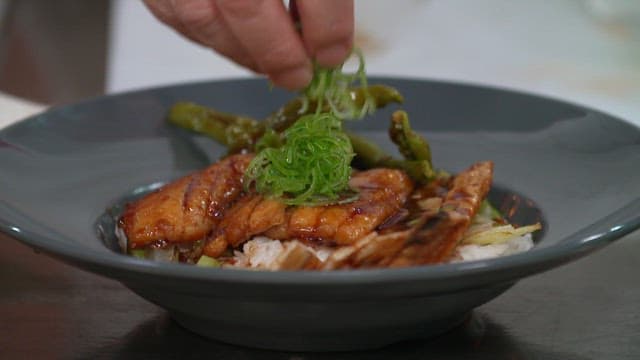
(280, 58)
(338, 32)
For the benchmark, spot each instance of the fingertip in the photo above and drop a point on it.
(332, 55)
(293, 79)
(327, 29)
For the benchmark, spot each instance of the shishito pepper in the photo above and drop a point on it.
(241, 133)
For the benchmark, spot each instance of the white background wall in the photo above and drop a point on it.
(585, 51)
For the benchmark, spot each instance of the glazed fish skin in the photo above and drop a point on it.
(436, 240)
(250, 215)
(432, 237)
(382, 193)
(187, 209)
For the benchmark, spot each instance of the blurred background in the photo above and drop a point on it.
(585, 51)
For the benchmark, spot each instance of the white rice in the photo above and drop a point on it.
(263, 253)
(517, 244)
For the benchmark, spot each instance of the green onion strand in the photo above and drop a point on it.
(310, 163)
(311, 168)
(330, 90)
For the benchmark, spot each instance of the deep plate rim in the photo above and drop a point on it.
(544, 258)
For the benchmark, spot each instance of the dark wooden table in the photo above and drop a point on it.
(589, 309)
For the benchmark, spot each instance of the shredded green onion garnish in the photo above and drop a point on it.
(310, 164)
(311, 168)
(330, 87)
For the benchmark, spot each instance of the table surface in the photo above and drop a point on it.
(585, 310)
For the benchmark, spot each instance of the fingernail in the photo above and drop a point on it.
(332, 55)
(294, 79)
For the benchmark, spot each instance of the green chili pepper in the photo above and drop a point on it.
(244, 133)
(288, 114)
(236, 132)
(410, 144)
(240, 133)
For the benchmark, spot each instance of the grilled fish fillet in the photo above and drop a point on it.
(425, 238)
(436, 240)
(389, 225)
(382, 193)
(187, 209)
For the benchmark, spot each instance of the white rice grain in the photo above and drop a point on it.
(515, 245)
(262, 251)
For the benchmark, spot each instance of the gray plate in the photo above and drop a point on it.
(575, 168)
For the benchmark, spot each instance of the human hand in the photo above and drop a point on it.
(261, 34)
